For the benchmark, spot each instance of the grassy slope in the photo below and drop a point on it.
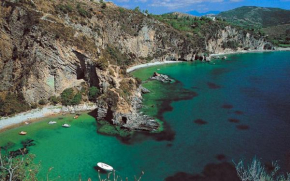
(258, 17)
(273, 22)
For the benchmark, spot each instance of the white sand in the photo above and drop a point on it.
(250, 51)
(150, 64)
(29, 115)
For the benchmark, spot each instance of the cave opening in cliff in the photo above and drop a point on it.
(124, 119)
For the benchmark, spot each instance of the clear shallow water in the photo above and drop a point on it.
(251, 89)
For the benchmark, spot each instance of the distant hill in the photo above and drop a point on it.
(196, 13)
(258, 17)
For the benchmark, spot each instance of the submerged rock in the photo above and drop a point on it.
(161, 77)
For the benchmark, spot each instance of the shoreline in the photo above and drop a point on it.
(249, 51)
(34, 115)
(133, 68)
(40, 113)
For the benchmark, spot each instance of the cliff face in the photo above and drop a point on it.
(48, 46)
(231, 39)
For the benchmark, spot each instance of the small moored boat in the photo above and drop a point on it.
(66, 125)
(105, 166)
(26, 122)
(22, 133)
(76, 117)
(52, 122)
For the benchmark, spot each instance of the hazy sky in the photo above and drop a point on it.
(163, 6)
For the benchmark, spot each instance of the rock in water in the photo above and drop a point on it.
(144, 90)
(161, 78)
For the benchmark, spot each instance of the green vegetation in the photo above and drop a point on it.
(116, 57)
(65, 8)
(230, 44)
(257, 17)
(54, 100)
(273, 23)
(76, 99)
(12, 103)
(93, 93)
(69, 97)
(137, 9)
(104, 5)
(41, 102)
(195, 29)
(83, 12)
(104, 127)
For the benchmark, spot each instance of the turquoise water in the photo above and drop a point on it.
(222, 111)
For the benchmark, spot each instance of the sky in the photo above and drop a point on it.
(165, 6)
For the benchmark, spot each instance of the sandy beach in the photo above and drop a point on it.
(131, 69)
(36, 114)
(29, 116)
(248, 51)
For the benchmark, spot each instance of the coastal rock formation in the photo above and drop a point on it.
(233, 40)
(161, 78)
(49, 46)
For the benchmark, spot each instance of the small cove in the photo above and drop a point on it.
(220, 111)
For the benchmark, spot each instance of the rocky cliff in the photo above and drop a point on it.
(49, 46)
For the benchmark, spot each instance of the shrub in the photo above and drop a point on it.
(13, 103)
(54, 100)
(66, 96)
(93, 93)
(77, 99)
(104, 5)
(65, 8)
(102, 64)
(41, 102)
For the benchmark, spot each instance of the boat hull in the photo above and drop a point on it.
(105, 167)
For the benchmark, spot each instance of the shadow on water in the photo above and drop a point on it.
(213, 85)
(217, 172)
(219, 71)
(200, 122)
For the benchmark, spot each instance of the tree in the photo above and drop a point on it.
(137, 9)
(18, 168)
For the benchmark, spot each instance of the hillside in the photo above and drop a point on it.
(69, 52)
(257, 17)
(272, 22)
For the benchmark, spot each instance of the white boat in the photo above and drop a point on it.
(22, 133)
(66, 125)
(105, 166)
(51, 122)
